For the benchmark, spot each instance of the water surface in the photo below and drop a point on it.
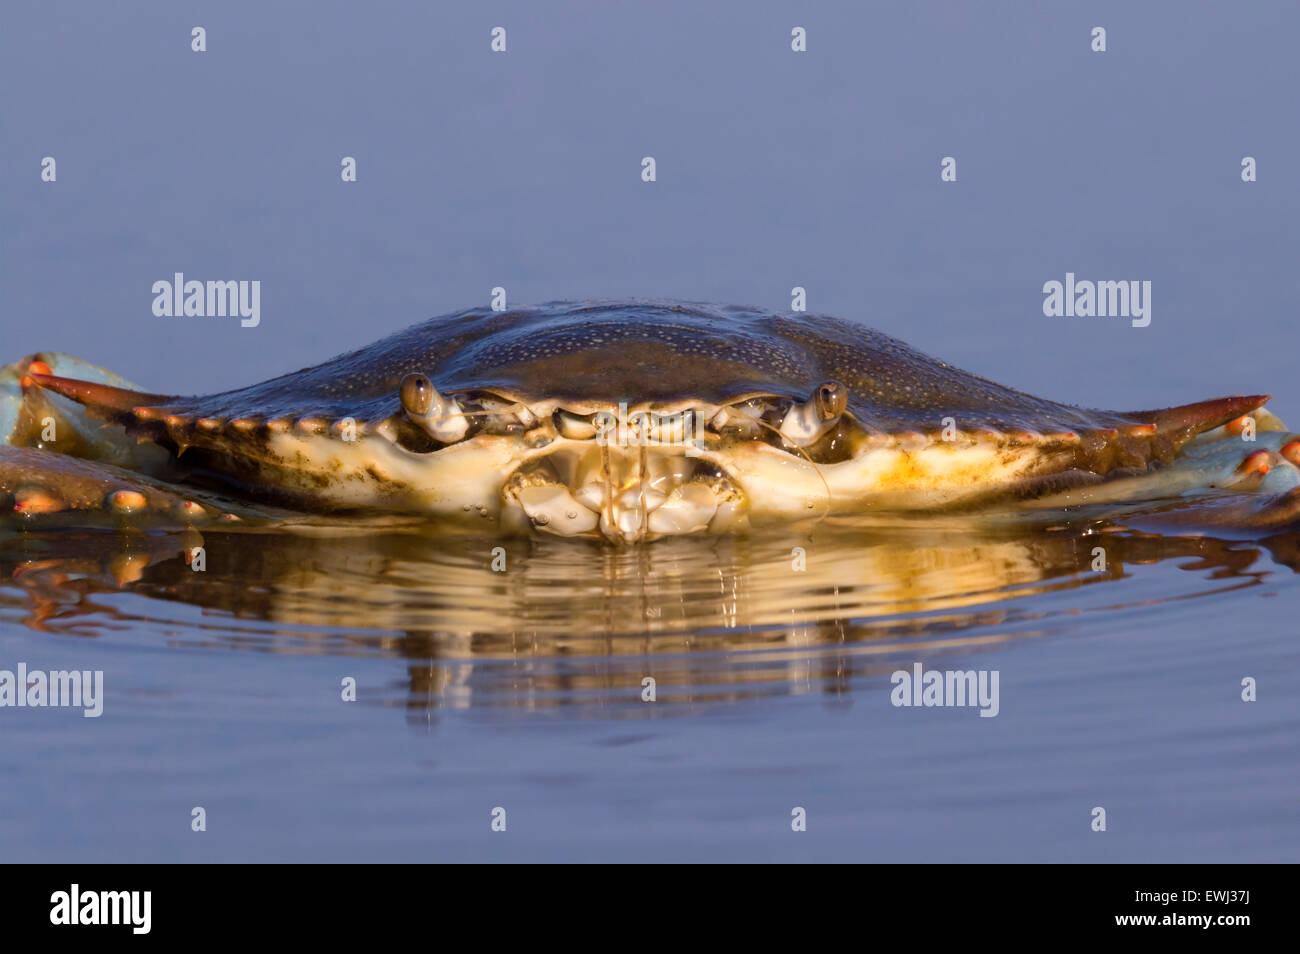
(479, 688)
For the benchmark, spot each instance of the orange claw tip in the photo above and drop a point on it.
(39, 368)
(1140, 430)
(1257, 463)
(33, 500)
(208, 423)
(1238, 424)
(1291, 452)
(127, 501)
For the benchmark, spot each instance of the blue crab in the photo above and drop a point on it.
(626, 421)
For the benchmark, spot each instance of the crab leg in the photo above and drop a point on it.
(39, 487)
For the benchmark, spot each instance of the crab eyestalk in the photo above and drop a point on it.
(807, 423)
(440, 417)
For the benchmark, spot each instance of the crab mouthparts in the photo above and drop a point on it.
(626, 476)
(625, 493)
(648, 474)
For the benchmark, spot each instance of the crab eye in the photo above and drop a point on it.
(416, 394)
(832, 399)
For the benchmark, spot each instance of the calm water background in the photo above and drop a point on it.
(775, 170)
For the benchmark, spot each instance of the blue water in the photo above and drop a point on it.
(523, 691)
(775, 169)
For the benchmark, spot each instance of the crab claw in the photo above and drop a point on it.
(1252, 470)
(1259, 462)
(440, 417)
(806, 423)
